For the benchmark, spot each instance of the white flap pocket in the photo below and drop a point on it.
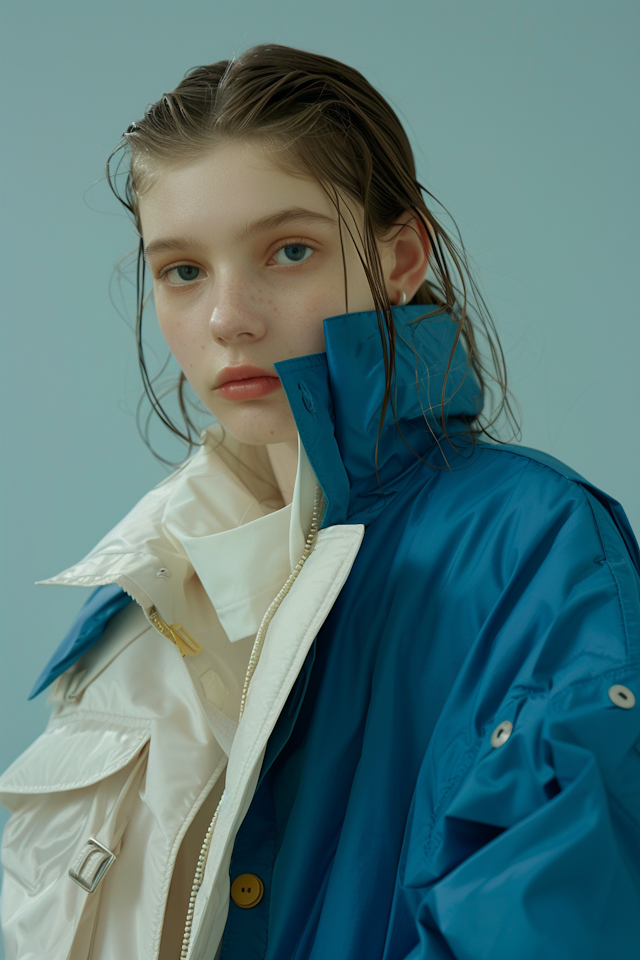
(73, 752)
(70, 794)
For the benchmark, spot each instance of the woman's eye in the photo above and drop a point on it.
(184, 272)
(294, 253)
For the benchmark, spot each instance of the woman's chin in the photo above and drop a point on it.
(258, 434)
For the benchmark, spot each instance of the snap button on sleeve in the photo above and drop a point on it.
(247, 890)
(501, 733)
(622, 696)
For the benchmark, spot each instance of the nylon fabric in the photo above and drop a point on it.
(479, 585)
(430, 842)
(85, 631)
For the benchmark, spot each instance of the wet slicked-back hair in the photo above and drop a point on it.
(316, 117)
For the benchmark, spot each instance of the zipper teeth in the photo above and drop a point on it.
(130, 588)
(253, 663)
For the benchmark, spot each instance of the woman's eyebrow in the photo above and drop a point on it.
(270, 222)
(273, 220)
(170, 243)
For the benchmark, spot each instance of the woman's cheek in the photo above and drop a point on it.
(179, 337)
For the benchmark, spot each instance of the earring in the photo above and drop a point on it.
(402, 300)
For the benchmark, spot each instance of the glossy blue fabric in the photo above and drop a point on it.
(493, 584)
(84, 632)
(385, 824)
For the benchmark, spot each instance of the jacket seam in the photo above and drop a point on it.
(161, 905)
(320, 615)
(251, 757)
(594, 678)
(615, 802)
(625, 626)
(586, 499)
(470, 755)
(575, 483)
(605, 553)
(84, 714)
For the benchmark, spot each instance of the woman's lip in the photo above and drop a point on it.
(241, 371)
(249, 388)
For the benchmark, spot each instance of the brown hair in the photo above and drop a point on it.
(317, 116)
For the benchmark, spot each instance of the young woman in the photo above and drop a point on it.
(355, 682)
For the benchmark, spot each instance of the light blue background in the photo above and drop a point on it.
(523, 119)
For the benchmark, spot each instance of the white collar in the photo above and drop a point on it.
(243, 567)
(220, 515)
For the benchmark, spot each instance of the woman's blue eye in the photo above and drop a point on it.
(186, 273)
(295, 252)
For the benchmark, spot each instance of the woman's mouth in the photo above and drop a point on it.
(248, 389)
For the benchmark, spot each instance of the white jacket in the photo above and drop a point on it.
(142, 741)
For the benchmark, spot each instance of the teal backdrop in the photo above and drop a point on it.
(523, 119)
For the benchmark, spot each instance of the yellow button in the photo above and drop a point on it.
(247, 890)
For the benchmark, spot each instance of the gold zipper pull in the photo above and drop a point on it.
(186, 644)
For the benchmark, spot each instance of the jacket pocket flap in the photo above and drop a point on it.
(74, 753)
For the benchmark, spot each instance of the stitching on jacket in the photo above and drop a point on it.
(467, 759)
(625, 626)
(511, 706)
(619, 672)
(327, 603)
(107, 771)
(80, 713)
(589, 490)
(158, 915)
(587, 499)
(615, 802)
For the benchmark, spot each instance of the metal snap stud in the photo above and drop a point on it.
(501, 733)
(164, 573)
(622, 696)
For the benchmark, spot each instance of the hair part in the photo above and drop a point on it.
(315, 116)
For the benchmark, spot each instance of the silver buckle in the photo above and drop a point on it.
(91, 864)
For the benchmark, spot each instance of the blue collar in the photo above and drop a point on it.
(336, 399)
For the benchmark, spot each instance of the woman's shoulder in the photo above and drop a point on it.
(526, 496)
(518, 546)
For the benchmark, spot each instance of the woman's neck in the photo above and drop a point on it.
(284, 461)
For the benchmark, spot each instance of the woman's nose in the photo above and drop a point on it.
(237, 313)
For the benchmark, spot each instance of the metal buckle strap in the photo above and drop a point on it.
(94, 858)
(91, 864)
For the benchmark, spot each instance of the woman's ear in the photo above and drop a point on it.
(406, 247)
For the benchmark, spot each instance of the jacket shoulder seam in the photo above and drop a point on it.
(81, 713)
(617, 672)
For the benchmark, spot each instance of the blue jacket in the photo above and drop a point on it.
(457, 771)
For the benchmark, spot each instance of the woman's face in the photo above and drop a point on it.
(247, 263)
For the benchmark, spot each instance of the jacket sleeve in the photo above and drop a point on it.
(529, 845)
